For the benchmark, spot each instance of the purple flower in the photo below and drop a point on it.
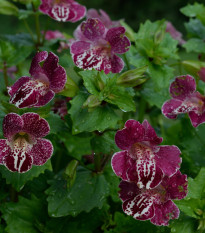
(142, 160)
(24, 145)
(185, 99)
(96, 47)
(47, 78)
(103, 17)
(63, 10)
(154, 204)
(174, 33)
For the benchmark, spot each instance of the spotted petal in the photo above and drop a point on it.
(41, 151)
(132, 132)
(176, 186)
(93, 29)
(117, 39)
(168, 159)
(12, 124)
(121, 162)
(182, 87)
(13, 89)
(140, 207)
(165, 212)
(196, 118)
(128, 190)
(4, 149)
(34, 125)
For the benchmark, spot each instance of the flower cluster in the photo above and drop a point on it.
(96, 46)
(150, 174)
(47, 78)
(24, 145)
(185, 99)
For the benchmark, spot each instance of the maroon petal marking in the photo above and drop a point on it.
(19, 160)
(34, 125)
(128, 190)
(93, 29)
(168, 159)
(197, 118)
(36, 69)
(117, 39)
(29, 93)
(150, 134)
(12, 124)
(172, 108)
(13, 89)
(165, 212)
(4, 149)
(176, 186)
(41, 151)
(43, 100)
(149, 175)
(182, 87)
(55, 73)
(132, 132)
(121, 163)
(140, 207)
(116, 65)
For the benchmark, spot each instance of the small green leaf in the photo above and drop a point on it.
(70, 89)
(24, 216)
(195, 28)
(100, 118)
(8, 8)
(195, 45)
(18, 180)
(89, 191)
(196, 10)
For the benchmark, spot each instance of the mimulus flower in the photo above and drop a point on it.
(185, 99)
(63, 10)
(103, 17)
(24, 145)
(155, 204)
(142, 160)
(47, 78)
(50, 35)
(96, 47)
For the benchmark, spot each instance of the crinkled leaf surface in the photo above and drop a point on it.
(18, 180)
(89, 191)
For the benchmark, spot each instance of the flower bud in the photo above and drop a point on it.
(132, 78)
(70, 173)
(92, 102)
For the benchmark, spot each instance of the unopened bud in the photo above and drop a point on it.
(92, 102)
(132, 78)
(70, 173)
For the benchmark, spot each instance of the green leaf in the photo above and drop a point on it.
(195, 45)
(56, 123)
(15, 49)
(153, 43)
(8, 8)
(24, 216)
(23, 14)
(72, 143)
(89, 191)
(195, 28)
(18, 180)
(196, 10)
(184, 225)
(197, 185)
(70, 89)
(100, 118)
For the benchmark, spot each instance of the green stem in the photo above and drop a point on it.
(142, 108)
(97, 162)
(126, 61)
(29, 30)
(37, 23)
(13, 194)
(5, 74)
